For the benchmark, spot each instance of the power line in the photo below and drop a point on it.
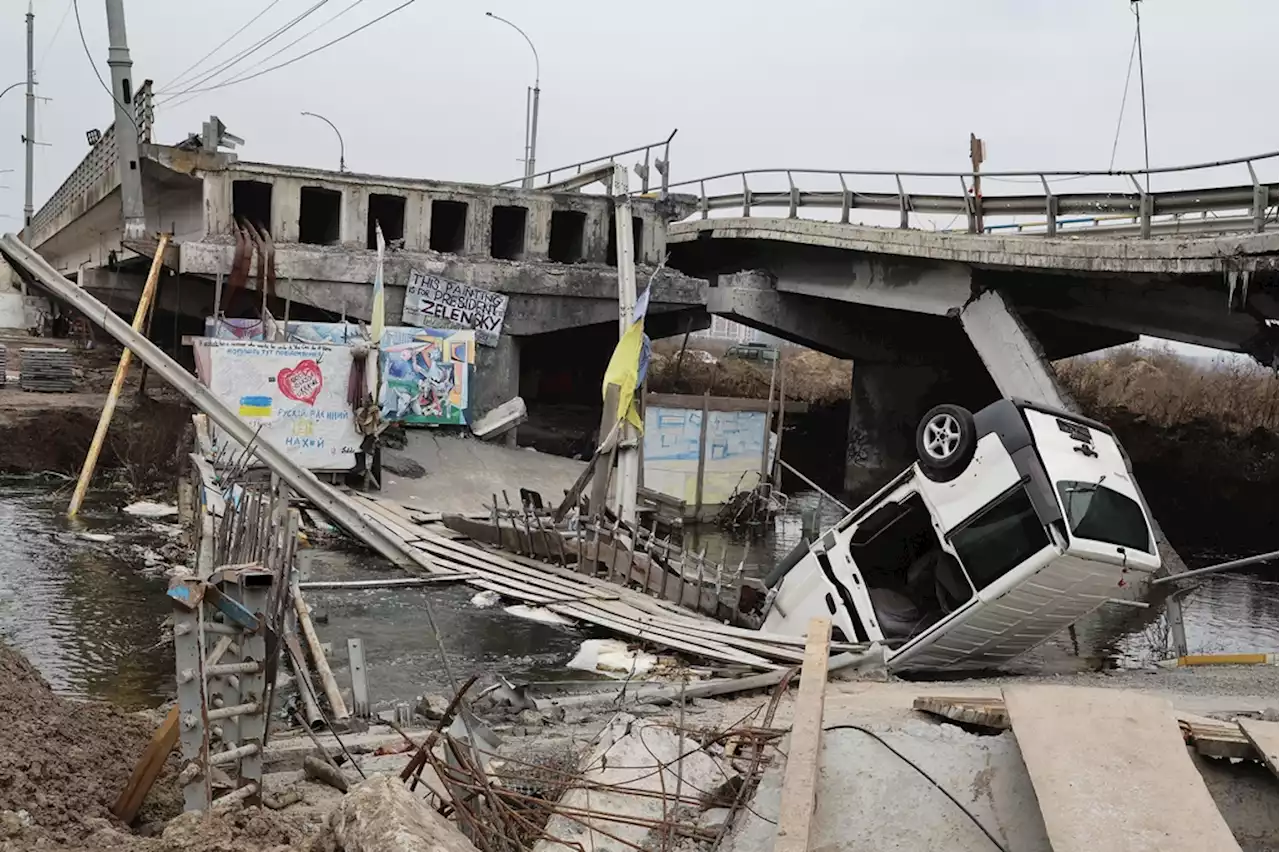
(223, 44)
(1123, 100)
(289, 62)
(1142, 86)
(263, 42)
(308, 33)
(128, 111)
(49, 45)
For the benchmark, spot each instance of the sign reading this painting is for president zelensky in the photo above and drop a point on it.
(430, 298)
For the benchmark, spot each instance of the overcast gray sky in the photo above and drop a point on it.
(437, 90)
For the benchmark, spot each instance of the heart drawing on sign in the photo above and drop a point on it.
(302, 382)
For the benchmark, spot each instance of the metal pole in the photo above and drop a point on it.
(628, 452)
(1142, 88)
(342, 146)
(126, 130)
(531, 117)
(28, 207)
(1214, 569)
(533, 134)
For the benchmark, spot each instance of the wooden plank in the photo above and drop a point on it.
(1265, 737)
(983, 712)
(535, 584)
(147, 769)
(800, 780)
(719, 403)
(1215, 738)
(1111, 772)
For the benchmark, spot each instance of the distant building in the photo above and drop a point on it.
(732, 332)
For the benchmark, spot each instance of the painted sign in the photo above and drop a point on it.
(429, 297)
(734, 443)
(426, 380)
(294, 395)
(307, 331)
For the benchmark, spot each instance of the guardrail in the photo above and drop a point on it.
(567, 175)
(1253, 199)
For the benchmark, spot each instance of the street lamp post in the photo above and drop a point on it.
(14, 86)
(342, 146)
(531, 115)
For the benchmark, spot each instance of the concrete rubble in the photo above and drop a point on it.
(628, 775)
(380, 815)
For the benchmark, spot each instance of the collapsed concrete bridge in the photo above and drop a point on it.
(925, 315)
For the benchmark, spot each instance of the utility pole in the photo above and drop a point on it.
(977, 155)
(628, 440)
(28, 207)
(126, 129)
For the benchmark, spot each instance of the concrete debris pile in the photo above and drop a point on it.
(62, 763)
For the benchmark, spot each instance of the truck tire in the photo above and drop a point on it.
(945, 441)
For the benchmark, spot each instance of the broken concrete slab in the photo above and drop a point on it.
(642, 761)
(870, 799)
(500, 420)
(381, 815)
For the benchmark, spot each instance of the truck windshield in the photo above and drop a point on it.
(1098, 513)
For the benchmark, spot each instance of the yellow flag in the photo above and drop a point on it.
(624, 371)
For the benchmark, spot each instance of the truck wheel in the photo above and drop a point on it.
(945, 441)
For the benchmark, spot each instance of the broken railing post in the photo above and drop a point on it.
(117, 383)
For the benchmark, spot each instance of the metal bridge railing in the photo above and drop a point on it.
(576, 175)
(1253, 199)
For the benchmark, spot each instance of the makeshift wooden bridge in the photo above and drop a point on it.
(582, 597)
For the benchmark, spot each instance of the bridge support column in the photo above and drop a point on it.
(1010, 352)
(884, 403)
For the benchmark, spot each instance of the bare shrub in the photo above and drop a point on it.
(1167, 390)
(811, 376)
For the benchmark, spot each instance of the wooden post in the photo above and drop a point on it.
(122, 370)
(702, 456)
(337, 706)
(768, 423)
(782, 416)
(800, 780)
(600, 482)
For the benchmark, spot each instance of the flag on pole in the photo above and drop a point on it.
(378, 320)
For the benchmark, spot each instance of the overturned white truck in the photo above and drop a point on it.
(1016, 522)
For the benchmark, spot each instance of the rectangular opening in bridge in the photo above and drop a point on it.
(251, 202)
(637, 239)
(388, 212)
(319, 216)
(568, 236)
(448, 226)
(506, 234)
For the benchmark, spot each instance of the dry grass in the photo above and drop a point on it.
(1167, 390)
(810, 376)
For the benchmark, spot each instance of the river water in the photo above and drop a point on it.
(89, 615)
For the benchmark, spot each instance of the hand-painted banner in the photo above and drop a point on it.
(293, 394)
(429, 297)
(427, 380)
(307, 331)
